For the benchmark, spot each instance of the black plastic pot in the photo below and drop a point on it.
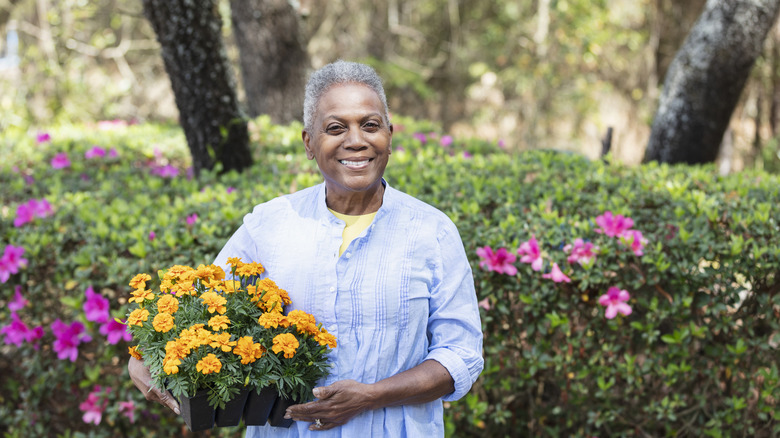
(258, 406)
(196, 411)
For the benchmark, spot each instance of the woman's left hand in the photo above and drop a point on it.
(335, 404)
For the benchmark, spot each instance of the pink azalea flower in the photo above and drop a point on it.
(420, 136)
(167, 171)
(95, 152)
(529, 252)
(152, 236)
(485, 304)
(191, 219)
(40, 207)
(127, 408)
(60, 161)
(115, 331)
(11, 261)
(613, 226)
(501, 143)
(445, 140)
(615, 301)
(113, 153)
(467, 155)
(94, 405)
(635, 240)
(231, 189)
(16, 332)
(96, 307)
(580, 252)
(557, 275)
(499, 261)
(18, 302)
(27, 212)
(43, 137)
(68, 338)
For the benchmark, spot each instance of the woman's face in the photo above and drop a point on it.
(350, 139)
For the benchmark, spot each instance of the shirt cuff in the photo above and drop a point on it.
(457, 369)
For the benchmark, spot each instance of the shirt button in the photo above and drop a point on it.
(332, 289)
(348, 255)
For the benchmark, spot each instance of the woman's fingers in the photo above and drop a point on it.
(142, 379)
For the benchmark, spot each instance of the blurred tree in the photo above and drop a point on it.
(706, 78)
(194, 55)
(273, 57)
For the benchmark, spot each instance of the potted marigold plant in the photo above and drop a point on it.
(225, 343)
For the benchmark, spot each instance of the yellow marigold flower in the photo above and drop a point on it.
(231, 286)
(139, 281)
(137, 317)
(214, 301)
(248, 350)
(234, 261)
(166, 285)
(250, 269)
(303, 321)
(271, 302)
(177, 349)
(168, 304)
(209, 272)
(163, 322)
(273, 319)
(219, 322)
(134, 352)
(139, 295)
(171, 366)
(222, 340)
(176, 272)
(286, 342)
(209, 364)
(325, 338)
(183, 288)
(285, 298)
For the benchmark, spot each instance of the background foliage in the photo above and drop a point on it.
(697, 357)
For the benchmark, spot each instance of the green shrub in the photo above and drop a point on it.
(696, 357)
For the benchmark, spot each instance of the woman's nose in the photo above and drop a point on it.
(355, 139)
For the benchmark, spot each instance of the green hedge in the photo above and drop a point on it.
(696, 357)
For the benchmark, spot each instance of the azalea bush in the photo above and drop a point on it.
(615, 300)
(201, 331)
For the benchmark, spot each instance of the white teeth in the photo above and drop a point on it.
(354, 163)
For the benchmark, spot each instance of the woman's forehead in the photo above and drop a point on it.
(349, 97)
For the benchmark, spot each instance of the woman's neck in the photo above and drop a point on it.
(355, 203)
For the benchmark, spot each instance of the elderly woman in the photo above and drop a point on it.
(384, 272)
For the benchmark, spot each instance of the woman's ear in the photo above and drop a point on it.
(306, 139)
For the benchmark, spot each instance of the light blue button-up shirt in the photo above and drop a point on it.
(401, 293)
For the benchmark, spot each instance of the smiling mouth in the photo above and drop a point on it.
(349, 163)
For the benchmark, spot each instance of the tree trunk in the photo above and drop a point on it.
(273, 57)
(705, 80)
(194, 56)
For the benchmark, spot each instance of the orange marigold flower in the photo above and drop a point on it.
(303, 321)
(163, 322)
(248, 350)
(231, 286)
(166, 285)
(209, 364)
(177, 349)
(325, 338)
(273, 319)
(177, 272)
(214, 301)
(139, 281)
(234, 261)
(168, 304)
(219, 322)
(286, 342)
(134, 352)
(250, 269)
(183, 288)
(209, 272)
(171, 366)
(222, 340)
(137, 317)
(139, 295)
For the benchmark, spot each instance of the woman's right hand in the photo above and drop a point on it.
(142, 379)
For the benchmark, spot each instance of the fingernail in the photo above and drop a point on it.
(178, 412)
(316, 392)
(287, 416)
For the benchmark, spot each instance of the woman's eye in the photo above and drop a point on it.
(333, 129)
(371, 125)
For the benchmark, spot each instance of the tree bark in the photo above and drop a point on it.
(273, 57)
(189, 33)
(706, 78)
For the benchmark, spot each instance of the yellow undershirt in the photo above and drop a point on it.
(354, 226)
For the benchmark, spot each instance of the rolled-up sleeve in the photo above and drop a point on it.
(454, 327)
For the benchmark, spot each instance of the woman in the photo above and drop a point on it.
(385, 273)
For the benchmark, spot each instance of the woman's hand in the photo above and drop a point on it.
(142, 379)
(335, 404)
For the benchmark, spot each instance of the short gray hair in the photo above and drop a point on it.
(338, 73)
